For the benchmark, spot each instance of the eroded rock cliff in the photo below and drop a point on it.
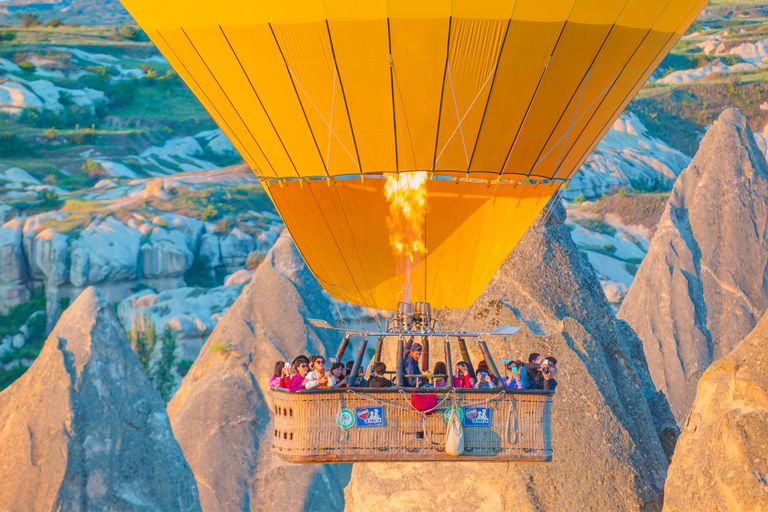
(83, 429)
(704, 283)
(608, 448)
(721, 461)
(221, 412)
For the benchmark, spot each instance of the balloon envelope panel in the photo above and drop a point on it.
(467, 89)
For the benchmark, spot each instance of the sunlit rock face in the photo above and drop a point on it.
(612, 433)
(221, 412)
(704, 283)
(83, 429)
(721, 461)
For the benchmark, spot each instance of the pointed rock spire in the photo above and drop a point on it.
(83, 429)
(704, 283)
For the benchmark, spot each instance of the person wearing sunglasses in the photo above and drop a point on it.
(300, 368)
(316, 379)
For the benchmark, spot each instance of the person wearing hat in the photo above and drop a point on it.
(411, 362)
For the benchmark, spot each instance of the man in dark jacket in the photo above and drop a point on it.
(411, 362)
(533, 368)
(547, 372)
(379, 380)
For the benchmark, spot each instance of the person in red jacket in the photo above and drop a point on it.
(462, 378)
(300, 368)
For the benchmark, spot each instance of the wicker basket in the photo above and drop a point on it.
(308, 426)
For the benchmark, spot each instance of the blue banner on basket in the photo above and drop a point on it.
(369, 416)
(477, 416)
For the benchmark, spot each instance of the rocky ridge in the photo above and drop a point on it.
(720, 462)
(702, 286)
(221, 413)
(609, 425)
(83, 428)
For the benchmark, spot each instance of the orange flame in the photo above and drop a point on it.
(406, 194)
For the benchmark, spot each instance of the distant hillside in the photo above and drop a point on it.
(81, 12)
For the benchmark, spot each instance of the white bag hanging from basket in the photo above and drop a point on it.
(454, 435)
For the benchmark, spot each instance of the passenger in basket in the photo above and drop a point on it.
(379, 380)
(411, 357)
(484, 380)
(440, 370)
(300, 368)
(282, 375)
(548, 370)
(533, 369)
(316, 379)
(517, 375)
(482, 366)
(462, 378)
(360, 382)
(339, 376)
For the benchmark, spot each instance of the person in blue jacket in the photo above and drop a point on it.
(411, 357)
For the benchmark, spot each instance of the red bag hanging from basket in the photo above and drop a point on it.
(425, 402)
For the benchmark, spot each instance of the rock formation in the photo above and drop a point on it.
(704, 283)
(721, 461)
(13, 267)
(610, 428)
(83, 429)
(221, 412)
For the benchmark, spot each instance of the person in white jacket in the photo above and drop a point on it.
(317, 379)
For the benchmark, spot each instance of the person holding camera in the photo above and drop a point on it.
(548, 373)
(337, 375)
(517, 375)
(282, 375)
(462, 378)
(484, 380)
(299, 370)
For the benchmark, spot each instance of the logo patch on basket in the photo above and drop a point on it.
(477, 416)
(370, 416)
(345, 419)
(459, 414)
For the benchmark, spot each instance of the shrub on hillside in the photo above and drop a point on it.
(27, 68)
(7, 35)
(11, 145)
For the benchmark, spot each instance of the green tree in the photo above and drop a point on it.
(163, 376)
(142, 336)
(29, 20)
(55, 22)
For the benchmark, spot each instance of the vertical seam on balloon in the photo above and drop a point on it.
(442, 91)
(269, 118)
(298, 98)
(209, 100)
(490, 92)
(614, 83)
(206, 96)
(583, 84)
(605, 97)
(392, 89)
(335, 242)
(589, 150)
(357, 252)
(344, 96)
(297, 226)
(533, 98)
(229, 100)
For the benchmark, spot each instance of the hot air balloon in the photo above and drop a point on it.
(409, 144)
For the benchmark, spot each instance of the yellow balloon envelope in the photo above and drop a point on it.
(500, 101)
